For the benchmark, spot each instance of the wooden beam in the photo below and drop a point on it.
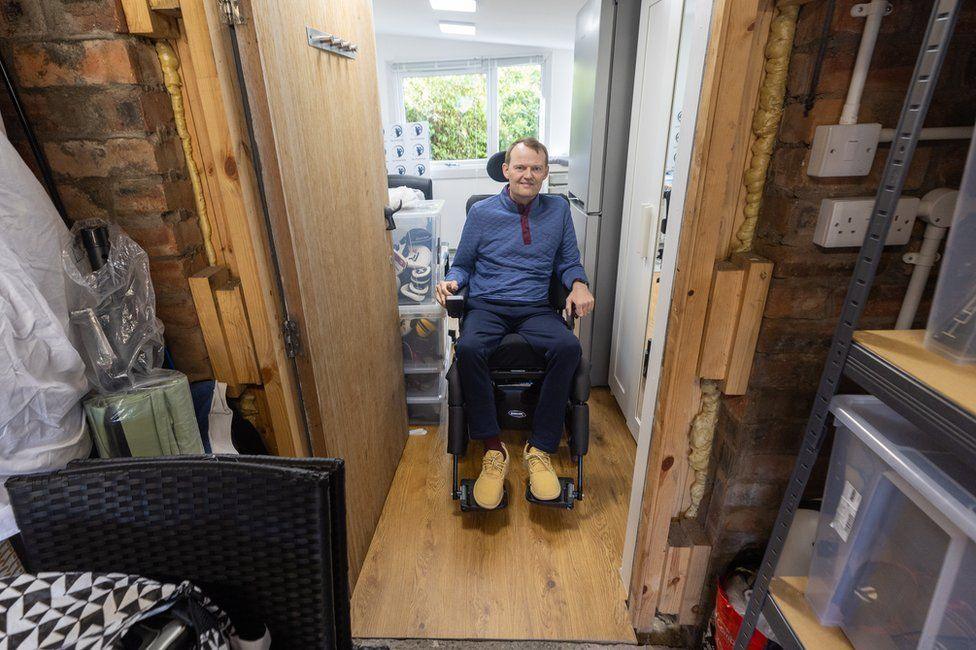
(202, 285)
(758, 273)
(141, 19)
(690, 611)
(738, 32)
(237, 329)
(222, 114)
(673, 580)
(720, 324)
(203, 155)
(750, 32)
(171, 6)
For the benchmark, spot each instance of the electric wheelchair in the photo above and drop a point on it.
(516, 372)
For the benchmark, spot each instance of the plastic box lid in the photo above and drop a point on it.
(943, 478)
(431, 310)
(421, 209)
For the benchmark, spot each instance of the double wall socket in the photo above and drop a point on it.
(843, 149)
(844, 222)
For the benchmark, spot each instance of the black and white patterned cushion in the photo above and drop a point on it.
(94, 610)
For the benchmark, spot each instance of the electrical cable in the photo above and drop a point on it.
(811, 97)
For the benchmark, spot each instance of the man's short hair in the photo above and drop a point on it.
(532, 144)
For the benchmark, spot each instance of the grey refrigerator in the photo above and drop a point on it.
(603, 84)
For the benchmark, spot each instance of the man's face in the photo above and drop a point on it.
(525, 172)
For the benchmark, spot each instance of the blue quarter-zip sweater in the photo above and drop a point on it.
(508, 252)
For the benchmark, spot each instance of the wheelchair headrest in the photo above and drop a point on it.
(495, 167)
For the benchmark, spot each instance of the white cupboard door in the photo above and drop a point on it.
(644, 205)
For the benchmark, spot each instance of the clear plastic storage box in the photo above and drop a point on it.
(425, 387)
(894, 563)
(424, 413)
(423, 331)
(426, 396)
(951, 327)
(415, 252)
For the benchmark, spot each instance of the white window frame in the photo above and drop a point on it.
(487, 66)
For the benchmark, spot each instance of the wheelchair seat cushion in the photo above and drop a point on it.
(515, 353)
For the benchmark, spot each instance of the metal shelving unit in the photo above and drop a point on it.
(911, 398)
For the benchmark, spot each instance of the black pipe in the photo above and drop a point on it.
(579, 477)
(52, 189)
(811, 97)
(96, 243)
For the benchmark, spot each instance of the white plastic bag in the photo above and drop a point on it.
(42, 377)
(404, 197)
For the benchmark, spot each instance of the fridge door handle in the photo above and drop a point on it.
(648, 211)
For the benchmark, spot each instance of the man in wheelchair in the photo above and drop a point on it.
(512, 245)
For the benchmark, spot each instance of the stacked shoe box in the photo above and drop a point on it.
(423, 322)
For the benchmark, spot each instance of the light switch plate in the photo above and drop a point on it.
(843, 149)
(844, 222)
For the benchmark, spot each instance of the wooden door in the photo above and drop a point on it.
(644, 204)
(317, 127)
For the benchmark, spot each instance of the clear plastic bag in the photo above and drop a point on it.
(153, 418)
(112, 305)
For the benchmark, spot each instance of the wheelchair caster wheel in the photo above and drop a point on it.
(566, 498)
(467, 497)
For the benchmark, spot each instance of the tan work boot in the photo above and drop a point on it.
(543, 481)
(490, 486)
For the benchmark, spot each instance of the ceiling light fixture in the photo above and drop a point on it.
(467, 6)
(459, 29)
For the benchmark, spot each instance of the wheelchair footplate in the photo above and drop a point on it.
(468, 503)
(566, 499)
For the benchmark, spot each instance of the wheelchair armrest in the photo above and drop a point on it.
(455, 304)
(580, 388)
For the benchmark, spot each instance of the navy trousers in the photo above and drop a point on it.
(485, 325)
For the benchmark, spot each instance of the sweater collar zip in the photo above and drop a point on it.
(523, 211)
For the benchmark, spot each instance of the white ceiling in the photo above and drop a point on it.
(540, 23)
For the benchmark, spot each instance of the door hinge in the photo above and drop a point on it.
(647, 358)
(230, 11)
(293, 340)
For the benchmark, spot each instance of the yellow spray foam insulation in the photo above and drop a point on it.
(170, 64)
(765, 122)
(700, 441)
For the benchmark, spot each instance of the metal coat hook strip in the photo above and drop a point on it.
(331, 43)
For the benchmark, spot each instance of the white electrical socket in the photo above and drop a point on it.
(844, 222)
(843, 149)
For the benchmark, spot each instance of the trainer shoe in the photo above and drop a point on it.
(490, 486)
(543, 481)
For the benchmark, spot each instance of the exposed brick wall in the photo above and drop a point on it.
(759, 434)
(96, 99)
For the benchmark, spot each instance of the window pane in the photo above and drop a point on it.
(519, 102)
(455, 107)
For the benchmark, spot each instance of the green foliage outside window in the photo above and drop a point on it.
(519, 103)
(455, 106)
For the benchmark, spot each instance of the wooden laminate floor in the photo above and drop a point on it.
(526, 572)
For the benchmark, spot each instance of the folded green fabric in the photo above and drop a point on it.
(155, 419)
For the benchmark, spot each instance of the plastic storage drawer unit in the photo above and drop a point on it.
(415, 252)
(951, 328)
(426, 397)
(424, 413)
(425, 386)
(424, 335)
(894, 562)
